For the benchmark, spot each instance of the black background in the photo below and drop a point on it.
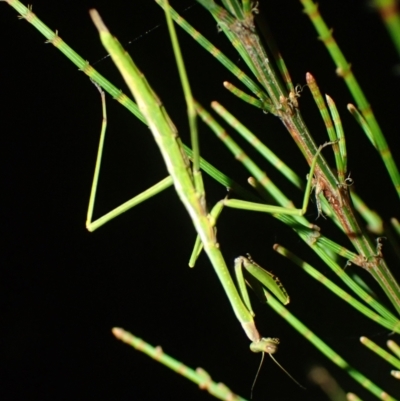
(64, 288)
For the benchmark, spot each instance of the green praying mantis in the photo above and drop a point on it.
(188, 182)
(189, 186)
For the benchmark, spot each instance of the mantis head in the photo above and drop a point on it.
(268, 345)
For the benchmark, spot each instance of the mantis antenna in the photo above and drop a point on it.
(256, 377)
(268, 346)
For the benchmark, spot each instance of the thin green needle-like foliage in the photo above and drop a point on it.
(244, 38)
(328, 351)
(395, 362)
(258, 145)
(245, 97)
(261, 177)
(340, 156)
(389, 11)
(391, 324)
(344, 71)
(338, 270)
(198, 376)
(214, 51)
(394, 347)
(373, 220)
(240, 155)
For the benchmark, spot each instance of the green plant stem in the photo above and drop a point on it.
(198, 376)
(327, 351)
(389, 324)
(344, 71)
(381, 352)
(389, 11)
(244, 38)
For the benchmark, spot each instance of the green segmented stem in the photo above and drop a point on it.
(363, 123)
(215, 52)
(239, 204)
(277, 56)
(280, 63)
(328, 351)
(245, 97)
(338, 249)
(275, 161)
(381, 352)
(249, 47)
(336, 289)
(341, 155)
(286, 205)
(236, 150)
(344, 71)
(329, 124)
(373, 220)
(393, 346)
(247, 7)
(240, 155)
(319, 101)
(234, 7)
(198, 376)
(339, 271)
(84, 66)
(389, 11)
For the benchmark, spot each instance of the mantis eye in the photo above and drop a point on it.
(270, 349)
(267, 345)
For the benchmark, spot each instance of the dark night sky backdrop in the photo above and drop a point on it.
(64, 288)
